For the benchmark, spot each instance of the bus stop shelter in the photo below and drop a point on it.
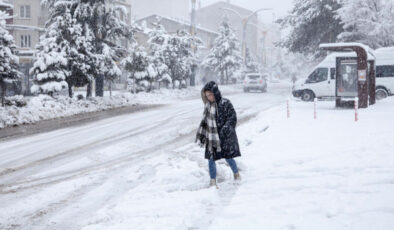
(355, 76)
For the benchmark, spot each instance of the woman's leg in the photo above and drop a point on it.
(212, 169)
(233, 165)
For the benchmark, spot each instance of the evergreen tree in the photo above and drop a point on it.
(8, 59)
(367, 21)
(69, 39)
(50, 69)
(224, 58)
(311, 23)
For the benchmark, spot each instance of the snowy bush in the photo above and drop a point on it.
(18, 101)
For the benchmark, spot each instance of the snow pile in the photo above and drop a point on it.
(44, 107)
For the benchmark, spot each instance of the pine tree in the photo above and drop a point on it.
(68, 39)
(311, 23)
(8, 59)
(367, 21)
(50, 69)
(224, 58)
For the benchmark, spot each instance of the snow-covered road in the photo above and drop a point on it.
(65, 179)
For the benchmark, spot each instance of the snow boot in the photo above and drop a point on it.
(237, 176)
(213, 183)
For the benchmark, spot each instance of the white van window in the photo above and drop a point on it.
(385, 71)
(319, 75)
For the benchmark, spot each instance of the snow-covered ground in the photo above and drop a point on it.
(328, 173)
(143, 171)
(44, 107)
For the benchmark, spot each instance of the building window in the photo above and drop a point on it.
(25, 41)
(25, 11)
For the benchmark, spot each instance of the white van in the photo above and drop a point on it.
(321, 82)
(384, 72)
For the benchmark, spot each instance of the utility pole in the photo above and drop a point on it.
(192, 45)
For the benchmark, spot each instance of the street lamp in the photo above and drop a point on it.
(245, 21)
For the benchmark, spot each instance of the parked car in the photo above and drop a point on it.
(321, 83)
(255, 81)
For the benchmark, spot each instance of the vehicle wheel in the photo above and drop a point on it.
(381, 93)
(307, 96)
(264, 90)
(246, 90)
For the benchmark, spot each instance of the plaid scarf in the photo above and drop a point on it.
(208, 132)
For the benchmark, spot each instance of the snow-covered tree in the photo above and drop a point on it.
(187, 57)
(137, 65)
(50, 68)
(106, 28)
(311, 22)
(158, 70)
(179, 57)
(96, 49)
(65, 40)
(251, 65)
(224, 58)
(367, 21)
(8, 59)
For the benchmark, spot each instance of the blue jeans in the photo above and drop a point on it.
(212, 167)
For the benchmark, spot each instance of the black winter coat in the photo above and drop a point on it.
(226, 121)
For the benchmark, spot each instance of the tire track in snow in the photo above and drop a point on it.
(95, 144)
(120, 162)
(48, 180)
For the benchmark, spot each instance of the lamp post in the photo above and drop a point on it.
(245, 21)
(192, 45)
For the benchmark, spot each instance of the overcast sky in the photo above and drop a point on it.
(279, 7)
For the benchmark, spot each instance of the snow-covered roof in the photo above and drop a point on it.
(179, 21)
(370, 52)
(226, 4)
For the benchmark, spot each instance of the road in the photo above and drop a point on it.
(58, 179)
